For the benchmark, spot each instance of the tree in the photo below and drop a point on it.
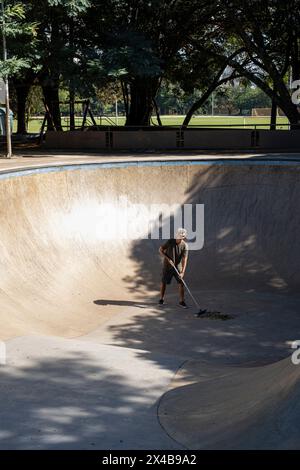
(140, 45)
(210, 75)
(17, 34)
(51, 55)
(267, 36)
(136, 45)
(60, 34)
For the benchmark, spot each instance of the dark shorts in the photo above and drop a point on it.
(168, 274)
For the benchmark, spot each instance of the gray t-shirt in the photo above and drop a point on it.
(174, 250)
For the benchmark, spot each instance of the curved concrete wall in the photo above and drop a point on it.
(54, 263)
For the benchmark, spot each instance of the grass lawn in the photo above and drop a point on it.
(237, 122)
(224, 121)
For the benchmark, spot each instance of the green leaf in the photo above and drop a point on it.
(13, 66)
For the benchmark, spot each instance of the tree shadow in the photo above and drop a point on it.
(249, 268)
(80, 400)
(258, 333)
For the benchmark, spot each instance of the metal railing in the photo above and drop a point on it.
(105, 121)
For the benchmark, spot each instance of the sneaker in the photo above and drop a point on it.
(161, 301)
(183, 304)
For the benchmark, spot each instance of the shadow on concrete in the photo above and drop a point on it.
(122, 303)
(78, 400)
(248, 268)
(257, 334)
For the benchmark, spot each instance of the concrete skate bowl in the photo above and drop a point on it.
(234, 408)
(61, 277)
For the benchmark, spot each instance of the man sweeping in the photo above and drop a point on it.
(175, 253)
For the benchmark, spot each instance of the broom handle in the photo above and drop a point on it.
(186, 286)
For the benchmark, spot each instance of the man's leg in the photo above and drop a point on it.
(162, 290)
(181, 291)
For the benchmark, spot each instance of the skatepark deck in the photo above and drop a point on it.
(92, 360)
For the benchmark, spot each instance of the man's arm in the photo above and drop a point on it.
(162, 252)
(184, 259)
(183, 264)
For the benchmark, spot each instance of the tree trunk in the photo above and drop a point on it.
(22, 92)
(273, 115)
(191, 111)
(125, 98)
(51, 96)
(157, 112)
(72, 106)
(292, 113)
(284, 102)
(197, 105)
(282, 96)
(142, 94)
(295, 123)
(71, 84)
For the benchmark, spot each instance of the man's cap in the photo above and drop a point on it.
(181, 233)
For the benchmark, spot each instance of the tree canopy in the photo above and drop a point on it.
(136, 46)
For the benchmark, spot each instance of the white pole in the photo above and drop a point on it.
(116, 111)
(7, 113)
(212, 103)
